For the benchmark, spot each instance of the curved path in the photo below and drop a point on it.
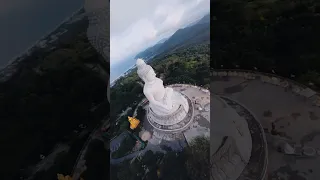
(294, 114)
(79, 165)
(150, 146)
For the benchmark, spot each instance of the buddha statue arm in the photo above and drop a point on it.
(157, 103)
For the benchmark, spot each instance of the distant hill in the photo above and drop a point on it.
(163, 40)
(195, 34)
(205, 19)
(149, 52)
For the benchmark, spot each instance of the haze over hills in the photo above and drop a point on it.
(194, 34)
(163, 40)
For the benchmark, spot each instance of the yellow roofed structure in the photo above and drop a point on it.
(134, 122)
(62, 177)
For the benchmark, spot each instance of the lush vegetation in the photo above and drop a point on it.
(279, 35)
(187, 65)
(50, 95)
(190, 164)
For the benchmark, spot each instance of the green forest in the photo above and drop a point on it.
(279, 35)
(50, 95)
(170, 166)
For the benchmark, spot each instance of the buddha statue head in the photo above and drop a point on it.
(145, 71)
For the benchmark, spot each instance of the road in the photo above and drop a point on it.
(80, 162)
(149, 146)
(46, 163)
(115, 143)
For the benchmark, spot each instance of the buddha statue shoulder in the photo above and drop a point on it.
(161, 99)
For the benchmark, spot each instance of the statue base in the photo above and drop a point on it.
(181, 125)
(172, 123)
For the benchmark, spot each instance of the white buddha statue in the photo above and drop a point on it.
(162, 100)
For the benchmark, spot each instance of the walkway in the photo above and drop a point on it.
(153, 148)
(79, 166)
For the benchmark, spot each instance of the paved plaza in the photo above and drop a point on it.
(293, 117)
(200, 120)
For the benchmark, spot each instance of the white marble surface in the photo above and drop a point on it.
(163, 101)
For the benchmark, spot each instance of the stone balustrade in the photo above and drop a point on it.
(287, 84)
(190, 86)
(178, 127)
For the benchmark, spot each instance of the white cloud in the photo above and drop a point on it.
(136, 25)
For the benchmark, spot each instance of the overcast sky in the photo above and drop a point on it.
(136, 25)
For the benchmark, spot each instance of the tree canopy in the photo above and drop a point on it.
(192, 163)
(269, 35)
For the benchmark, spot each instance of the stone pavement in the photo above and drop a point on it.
(294, 116)
(230, 141)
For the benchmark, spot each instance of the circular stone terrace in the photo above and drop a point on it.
(172, 126)
(238, 145)
(287, 108)
(196, 123)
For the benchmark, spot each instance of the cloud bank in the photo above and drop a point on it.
(136, 25)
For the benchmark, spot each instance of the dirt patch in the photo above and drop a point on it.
(235, 89)
(309, 137)
(286, 172)
(313, 116)
(267, 113)
(279, 119)
(295, 115)
(274, 131)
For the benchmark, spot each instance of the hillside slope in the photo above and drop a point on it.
(198, 33)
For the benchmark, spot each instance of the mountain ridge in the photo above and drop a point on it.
(197, 33)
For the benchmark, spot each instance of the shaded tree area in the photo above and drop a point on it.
(198, 155)
(124, 93)
(271, 35)
(97, 161)
(141, 114)
(191, 164)
(50, 95)
(190, 65)
(122, 124)
(64, 162)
